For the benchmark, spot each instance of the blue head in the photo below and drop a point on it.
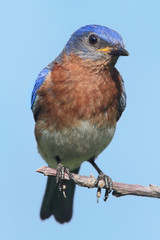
(96, 42)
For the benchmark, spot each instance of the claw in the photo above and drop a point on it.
(98, 194)
(61, 170)
(108, 185)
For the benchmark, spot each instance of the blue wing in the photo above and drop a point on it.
(39, 81)
(122, 101)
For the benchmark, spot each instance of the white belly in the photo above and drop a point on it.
(75, 145)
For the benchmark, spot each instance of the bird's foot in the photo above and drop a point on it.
(61, 170)
(108, 185)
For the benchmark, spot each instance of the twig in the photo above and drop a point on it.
(119, 189)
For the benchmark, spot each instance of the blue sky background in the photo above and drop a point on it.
(32, 35)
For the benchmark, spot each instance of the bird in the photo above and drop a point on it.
(76, 101)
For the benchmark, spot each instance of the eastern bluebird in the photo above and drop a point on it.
(76, 101)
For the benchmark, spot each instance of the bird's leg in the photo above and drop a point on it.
(102, 176)
(61, 170)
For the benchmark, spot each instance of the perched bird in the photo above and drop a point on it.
(76, 101)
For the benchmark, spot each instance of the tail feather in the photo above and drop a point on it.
(54, 203)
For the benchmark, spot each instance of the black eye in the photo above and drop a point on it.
(93, 39)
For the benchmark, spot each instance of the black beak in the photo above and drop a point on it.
(119, 52)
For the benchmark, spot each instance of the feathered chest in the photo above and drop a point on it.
(74, 92)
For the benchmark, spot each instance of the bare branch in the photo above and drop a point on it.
(119, 189)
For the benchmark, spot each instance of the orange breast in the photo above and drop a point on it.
(78, 90)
